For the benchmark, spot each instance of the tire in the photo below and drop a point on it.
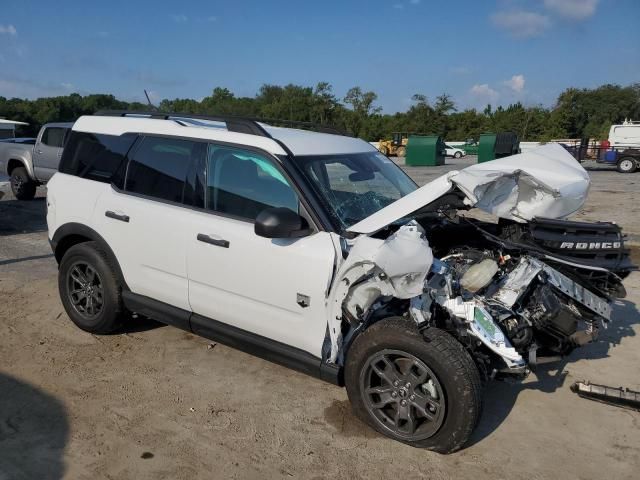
(452, 392)
(627, 165)
(384, 151)
(401, 152)
(85, 275)
(457, 155)
(22, 186)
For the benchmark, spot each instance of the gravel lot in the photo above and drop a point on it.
(157, 402)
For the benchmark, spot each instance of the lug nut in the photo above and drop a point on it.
(408, 385)
(394, 394)
(396, 383)
(403, 403)
(412, 398)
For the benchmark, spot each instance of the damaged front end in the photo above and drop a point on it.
(511, 292)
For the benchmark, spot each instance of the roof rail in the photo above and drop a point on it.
(247, 125)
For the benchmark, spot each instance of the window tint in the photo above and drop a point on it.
(97, 157)
(54, 136)
(243, 183)
(159, 168)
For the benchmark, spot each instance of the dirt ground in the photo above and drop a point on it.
(156, 402)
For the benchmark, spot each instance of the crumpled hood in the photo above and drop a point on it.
(543, 182)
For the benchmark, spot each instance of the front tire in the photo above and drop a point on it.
(22, 186)
(457, 155)
(627, 165)
(89, 289)
(401, 152)
(420, 389)
(384, 151)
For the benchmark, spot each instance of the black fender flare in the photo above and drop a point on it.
(60, 244)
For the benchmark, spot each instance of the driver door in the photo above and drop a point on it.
(275, 288)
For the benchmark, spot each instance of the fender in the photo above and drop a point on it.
(73, 233)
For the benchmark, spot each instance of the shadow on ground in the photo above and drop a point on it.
(33, 432)
(23, 216)
(500, 397)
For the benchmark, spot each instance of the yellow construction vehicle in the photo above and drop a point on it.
(397, 146)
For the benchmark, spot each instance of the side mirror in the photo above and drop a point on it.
(280, 223)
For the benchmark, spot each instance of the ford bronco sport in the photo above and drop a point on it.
(313, 250)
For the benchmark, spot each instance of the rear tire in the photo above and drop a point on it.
(384, 151)
(89, 289)
(401, 152)
(431, 372)
(22, 186)
(627, 165)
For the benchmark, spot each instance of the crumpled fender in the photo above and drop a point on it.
(396, 267)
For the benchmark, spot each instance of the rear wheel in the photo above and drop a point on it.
(423, 390)
(383, 150)
(627, 165)
(89, 289)
(401, 152)
(22, 186)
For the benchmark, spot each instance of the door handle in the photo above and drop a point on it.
(39, 152)
(213, 241)
(117, 216)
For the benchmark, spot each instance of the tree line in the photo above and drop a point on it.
(577, 113)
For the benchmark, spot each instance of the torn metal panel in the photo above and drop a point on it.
(395, 267)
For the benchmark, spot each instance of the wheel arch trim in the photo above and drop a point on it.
(62, 241)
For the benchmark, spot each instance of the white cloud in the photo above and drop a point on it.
(515, 83)
(180, 18)
(573, 9)
(483, 93)
(67, 86)
(8, 29)
(520, 23)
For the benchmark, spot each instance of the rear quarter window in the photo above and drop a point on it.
(96, 156)
(54, 136)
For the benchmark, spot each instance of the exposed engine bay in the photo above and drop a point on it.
(511, 292)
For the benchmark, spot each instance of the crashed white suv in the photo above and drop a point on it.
(315, 251)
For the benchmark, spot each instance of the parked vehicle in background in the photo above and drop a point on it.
(396, 147)
(454, 152)
(317, 252)
(624, 146)
(32, 162)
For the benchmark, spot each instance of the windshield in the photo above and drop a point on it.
(356, 185)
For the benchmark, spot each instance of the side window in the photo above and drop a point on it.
(96, 156)
(242, 183)
(165, 168)
(54, 136)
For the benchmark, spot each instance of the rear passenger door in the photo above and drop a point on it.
(47, 152)
(275, 288)
(145, 221)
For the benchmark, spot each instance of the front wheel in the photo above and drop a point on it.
(627, 165)
(420, 389)
(401, 152)
(22, 186)
(457, 155)
(384, 151)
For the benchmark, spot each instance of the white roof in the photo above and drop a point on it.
(13, 122)
(300, 142)
(304, 142)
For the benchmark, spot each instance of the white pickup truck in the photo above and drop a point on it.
(32, 162)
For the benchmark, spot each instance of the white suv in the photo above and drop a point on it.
(315, 251)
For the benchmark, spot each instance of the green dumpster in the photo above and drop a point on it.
(499, 145)
(425, 150)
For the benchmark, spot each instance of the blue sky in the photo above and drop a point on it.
(478, 51)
